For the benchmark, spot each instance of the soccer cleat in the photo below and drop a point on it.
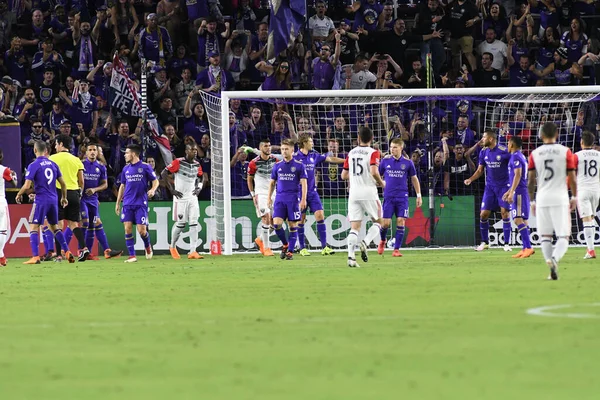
(131, 259)
(149, 253)
(174, 253)
(268, 253)
(289, 255)
(49, 257)
(83, 254)
(396, 253)
(195, 256)
(381, 247)
(108, 253)
(553, 264)
(69, 256)
(363, 251)
(590, 254)
(259, 244)
(519, 254)
(58, 259)
(507, 247)
(283, 251)
(92, 258)
(3, 261)
(304, 252)
(482, 246)
(327, 251)
(33, 260)
(352, 263)
(527, 253)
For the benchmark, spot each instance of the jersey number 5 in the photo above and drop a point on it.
(548, 168)
(357, 168)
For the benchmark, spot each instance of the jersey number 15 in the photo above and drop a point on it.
(357, 167)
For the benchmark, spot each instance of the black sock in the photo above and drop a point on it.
(78, 233)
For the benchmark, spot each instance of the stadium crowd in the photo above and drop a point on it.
(56, 74)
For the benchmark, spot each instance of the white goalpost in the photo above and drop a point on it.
(419, 116)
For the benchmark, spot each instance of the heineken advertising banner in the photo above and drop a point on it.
(455, 226)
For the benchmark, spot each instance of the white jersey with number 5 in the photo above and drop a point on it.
(358, 164)
(551, 163)
(588, 162)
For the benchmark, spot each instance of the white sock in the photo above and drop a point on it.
(3, 239)
(175, 233)
(264, 235)
(373, 232)
(589, 232)
(562, 244)
(193, 238)
(547, 248)
(352, 241)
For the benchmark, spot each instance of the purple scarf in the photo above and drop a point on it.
(221, 79)
(86, 58)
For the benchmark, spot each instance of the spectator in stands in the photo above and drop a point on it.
(463, 17)
(428, 20)
(463, 135)
(35, 135)
(415, 78)
(548, 44)
(366, 14)
(237, 137)
(323, 68)
(320, 26)
(101, 81)
(184, 88)
(159, 85)
(259, 46)
(278, 76)
(590, 61)
(458, 168)
(27, 108)
(155, 42)
(47, 59)
(357, 76)
(86, 47)
(496, 47)
(236, 56)
(54, 118)
(210, 41)
(245, 17)
(521, 73)
(61, 30)
(9, 21)
(179, 62)
(166, 112)
(519, 44)
(16, 61)
(239, 172)
(348, 44)
(124, 21)
(34, 33)
(564, 71)
(84, 107)
(255, 126)
(496, 19)
(170, 15)
(196, 122)
(487, 76)
(47, 90)
(575, 40)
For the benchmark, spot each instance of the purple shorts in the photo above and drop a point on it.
(313, 203)
(46, 210)
(519, 208)
(492, 198)
(89, 211)
(136, 214)
(287, 210)
(395, 206)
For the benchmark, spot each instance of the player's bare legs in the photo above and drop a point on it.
(589, 231)
(398, 239)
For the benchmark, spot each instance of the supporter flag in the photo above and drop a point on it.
(123, 91)
(287, 17)
(154, 132)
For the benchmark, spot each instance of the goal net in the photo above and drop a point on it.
(440, 129)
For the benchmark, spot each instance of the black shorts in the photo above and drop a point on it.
(72, 211)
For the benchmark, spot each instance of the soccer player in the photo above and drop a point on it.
(553, 164)
(134, 193)
(588, 161)
(493, 160)
(396, 170)
(517, 195)
(7, 176)
(43, 173)
(289, 175)
(94, 177)
(311, 159)
(259, 176)
(71, 169)
(361, 169)
(189, 180)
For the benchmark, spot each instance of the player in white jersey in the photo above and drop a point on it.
(588, 185)
(553, 163)
(7, 176)
(361, 168)
(259, 180)
(188, 182)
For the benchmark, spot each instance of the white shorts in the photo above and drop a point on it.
(358, 208)
(262, 204)
(4, 217)
(587, 203)
(553, 219)
(186, 210)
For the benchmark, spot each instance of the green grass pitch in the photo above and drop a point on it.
(430, 325)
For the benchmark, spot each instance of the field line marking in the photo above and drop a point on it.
(549, 311)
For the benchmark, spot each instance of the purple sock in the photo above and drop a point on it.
(146, 239)
(293, 238)
(130, 244)
(60, 238)
(48, 239)
(399, 237)
(301, 235)
(34, 241)
(506, 229)
(68, 233)
(524, 230)
(89, 238)
(84, 229)
(484, 227)
(383, 232)
(322, 230)
(101, 236)
(280, 234)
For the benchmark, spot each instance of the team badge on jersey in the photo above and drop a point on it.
(498, 158)
(45, 94)
(97, 169)
(139, 170)
(293, 169)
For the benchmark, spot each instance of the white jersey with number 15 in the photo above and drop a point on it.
(358, 164)
(551, 163)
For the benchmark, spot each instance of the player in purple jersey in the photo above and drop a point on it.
(517, 195)
(493, 160)
(94, 178)
(43, 174)
(290, 177)
(311, 159)
(396, 170)
(134, 192)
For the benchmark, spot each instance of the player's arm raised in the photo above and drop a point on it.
(334, 160)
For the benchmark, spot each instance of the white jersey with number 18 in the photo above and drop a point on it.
(588, 162)
(551, 163)
(358, 164)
